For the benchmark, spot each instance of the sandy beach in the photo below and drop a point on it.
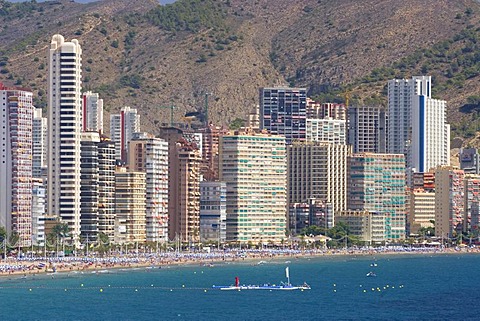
(34, 266)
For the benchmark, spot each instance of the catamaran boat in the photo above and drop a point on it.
(282, 286)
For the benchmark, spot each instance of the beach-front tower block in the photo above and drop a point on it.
(150, 155)
(376, 183)
(64, 131)
(254, 167)
(16, 114)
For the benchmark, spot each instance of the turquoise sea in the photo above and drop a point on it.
(407, 287)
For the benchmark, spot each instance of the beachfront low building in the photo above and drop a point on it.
(421, 212)
(368, 226)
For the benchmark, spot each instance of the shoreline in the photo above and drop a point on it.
(42, 266)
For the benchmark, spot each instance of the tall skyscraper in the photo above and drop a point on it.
(40, 144)
(318, 171)
(106, 187)
(92, 115)
(64, 131)
(150, 155)
(254, 167)
(122, 127)
(89, 181)
(283, 112)
(16, 162)
(184, 172)
(367, 129)
(376, 183)
(417, 124)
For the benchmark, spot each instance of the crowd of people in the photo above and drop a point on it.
(31, 264)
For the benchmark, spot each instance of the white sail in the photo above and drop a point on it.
(286, 272)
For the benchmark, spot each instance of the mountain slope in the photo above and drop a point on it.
(146, 56)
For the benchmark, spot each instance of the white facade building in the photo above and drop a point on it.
(417, 124)
(150, 155)
(92, 116)
(122, 127)
(38, 212)
(327, 130)
(64, 131)
(430, 145)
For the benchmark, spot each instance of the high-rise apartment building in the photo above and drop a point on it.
(318, 171)
(122, 127)
(471, 217)
(367, 129)
(430, 143)
(92, 112)
(254, 167)
(283, 112)
(150, 155)
(106, 187)
(376, 183)
(213, 211)
(64, 131)
(89, 180)
(130, 207)
(40, 144)
(417, 124)
(184, 172)
(449, 201)
(16, 114)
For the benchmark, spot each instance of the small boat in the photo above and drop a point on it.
(282, 286)
(371, 274)
(373, 264)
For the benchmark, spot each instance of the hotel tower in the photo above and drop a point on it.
(64, 131)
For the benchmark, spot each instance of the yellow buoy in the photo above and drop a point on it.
(30, 290)
(204, 290)
(81, 284)
(101, 290)
(183, 285)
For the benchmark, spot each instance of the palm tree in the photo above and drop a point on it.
(60, 231)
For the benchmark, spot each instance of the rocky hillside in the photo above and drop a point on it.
(147, 56)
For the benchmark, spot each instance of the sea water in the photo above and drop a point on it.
(406, 287)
